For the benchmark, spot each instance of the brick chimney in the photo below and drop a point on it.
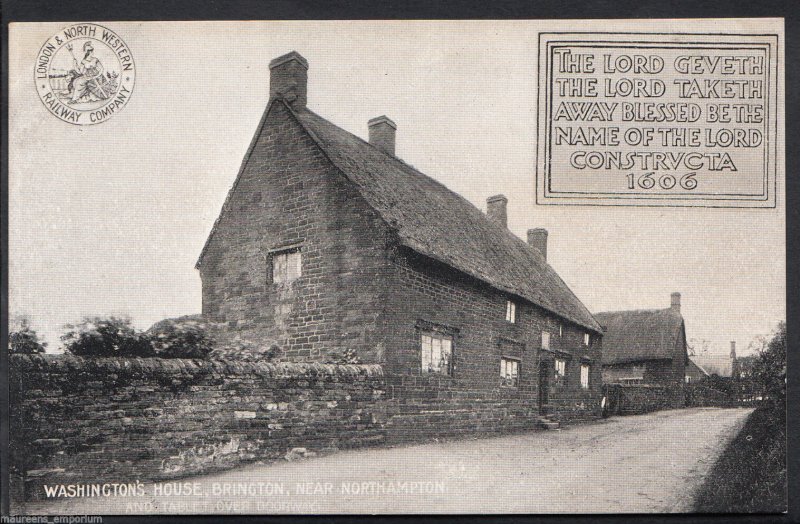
(675, 302)
(496, 209)
(288, 79)
(537, 239)
(381, 133)
(733, 350)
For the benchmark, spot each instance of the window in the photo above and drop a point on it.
(437, 353)
(561, 371)
(585, 376)
(286, 266)
(509, 371)
(560, 330)
(586, 339)
(511, 312)
(545, 340)
(688, 379)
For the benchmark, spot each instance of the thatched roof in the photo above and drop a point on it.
(644, 334)
(438, 223)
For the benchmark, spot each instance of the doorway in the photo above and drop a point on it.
(545, 371)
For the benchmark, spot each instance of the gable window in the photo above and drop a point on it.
(545, 340)
(561, 371)
(286, 266)
(509, 371)
(437, 353)
(511, 312)
(586, 339)
(585, 376)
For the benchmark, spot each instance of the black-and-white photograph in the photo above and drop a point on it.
(397, 267)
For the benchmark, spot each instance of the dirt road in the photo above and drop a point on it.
(646, 463)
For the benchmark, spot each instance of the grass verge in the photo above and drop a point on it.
(750, 475)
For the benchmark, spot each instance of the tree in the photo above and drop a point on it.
(769, 369)
(184, 337)
(697, 347)
(24, 340)
(106, 337)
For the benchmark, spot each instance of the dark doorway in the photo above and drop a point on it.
(545, 370)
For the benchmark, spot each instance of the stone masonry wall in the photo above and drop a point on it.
(290, 196)
(429, 295)
(121, 420)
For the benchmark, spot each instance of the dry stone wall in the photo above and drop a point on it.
(122, 420)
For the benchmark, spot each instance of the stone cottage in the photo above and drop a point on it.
(646, 346)
(329, 244)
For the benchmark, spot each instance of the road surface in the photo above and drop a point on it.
(644, 463)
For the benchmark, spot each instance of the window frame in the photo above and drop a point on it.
(587, 384)
(511, 311)
(560, 378)
(587, 339)
(504, 361)
(287, 253)
(440, 337)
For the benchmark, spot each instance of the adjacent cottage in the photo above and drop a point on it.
(329, 247)
(695, 372)
(645, 346)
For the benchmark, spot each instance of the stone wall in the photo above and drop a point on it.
(289, 197)
(430, 295)
(122, 420)
(634, 399)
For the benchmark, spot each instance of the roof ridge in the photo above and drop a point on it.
(378, 150)
(504, 230)
(618, 311)
(478, 213)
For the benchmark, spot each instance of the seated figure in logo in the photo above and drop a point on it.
(88, 80)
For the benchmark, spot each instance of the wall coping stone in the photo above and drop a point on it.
(68, 364)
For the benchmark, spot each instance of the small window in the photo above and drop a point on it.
(437, 353)
(585, 376)
(560, 330)
(587, 338)
(545, 340)
(511, 312)
(561, 371)
(509, 371)
(688, 379)
(286, 266)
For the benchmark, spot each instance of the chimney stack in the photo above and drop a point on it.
(288, 79)
(381, 134)
(733, 350)
(537, 239)
(496, 209)
(675, 302)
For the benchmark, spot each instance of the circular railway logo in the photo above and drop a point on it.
(85, 74)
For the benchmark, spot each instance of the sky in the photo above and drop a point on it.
(110, 218)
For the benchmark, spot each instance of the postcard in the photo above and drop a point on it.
(396, 267)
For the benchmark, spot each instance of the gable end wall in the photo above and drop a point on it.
(289, 194)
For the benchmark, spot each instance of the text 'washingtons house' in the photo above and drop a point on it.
(328, 243)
